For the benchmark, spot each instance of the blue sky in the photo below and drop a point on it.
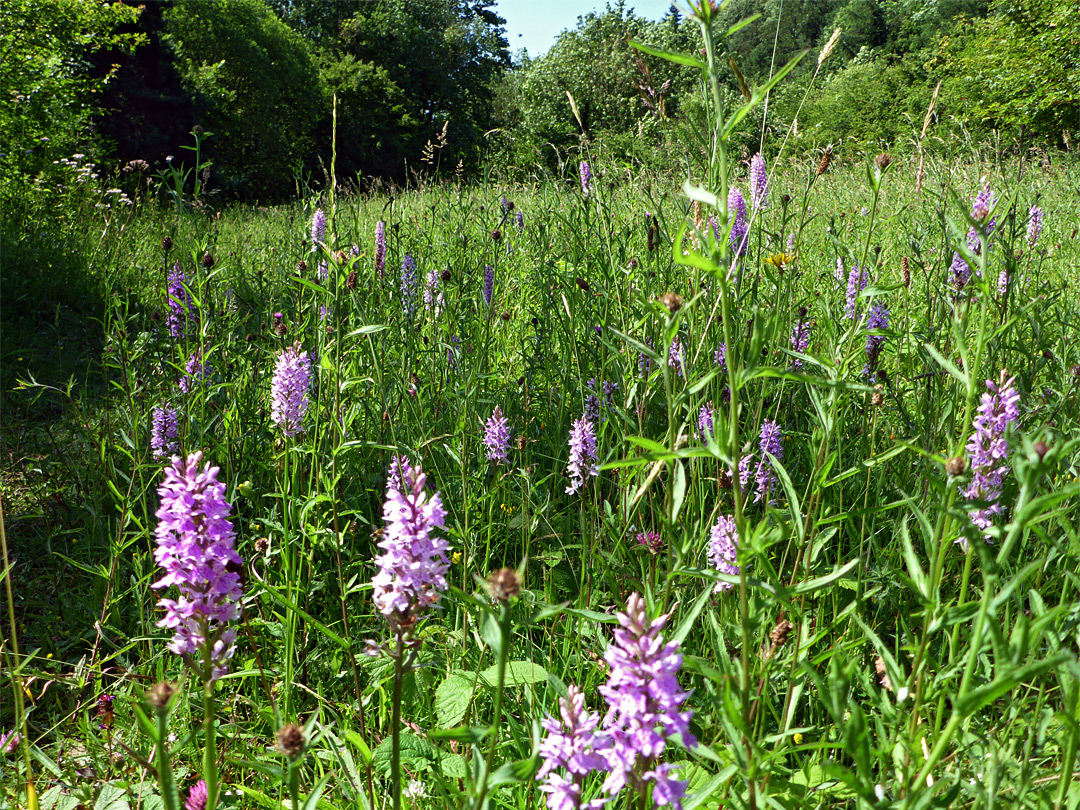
(534, 24)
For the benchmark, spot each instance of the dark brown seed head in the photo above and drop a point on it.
(341, 257)
(956, 465)
(290, 740)
(352, 281)
(166, 244)
(521, 443)
(301, 266)
(504, 585)
(725, 480)
(446, 275)
(883, 673)
(582, 283)
(159, 695)
(207, 261)
(802, 312)
(780, 631)
(878, 398)
(1049, 355)
(905, 271)
(262, 544)
(506, 315)
(671, 301)
(281, 329)
(496, 235)
(823, 165)
(883, 160)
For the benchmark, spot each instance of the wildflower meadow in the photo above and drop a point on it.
(750, 483)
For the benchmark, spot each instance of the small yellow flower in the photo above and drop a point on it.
(780, 260)
(798, 738)
(455, 558)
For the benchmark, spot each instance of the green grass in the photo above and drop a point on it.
(858, 552)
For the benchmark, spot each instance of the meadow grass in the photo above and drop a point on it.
(876, 647)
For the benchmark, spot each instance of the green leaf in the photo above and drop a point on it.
(671, 56)
(518, 673)
(976, 699)
(945, 364)
(452, 699)
(415, 753)
(678, 490)
(821, 583)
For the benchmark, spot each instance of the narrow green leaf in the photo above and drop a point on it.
(671, 56)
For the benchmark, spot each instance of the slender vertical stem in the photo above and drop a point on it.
(210, 770)
(15, 668)
(395, 721)
(166, 778)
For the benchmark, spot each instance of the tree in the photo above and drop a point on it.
(439, 61)
(46, 81)
(1020, 67)
(614, 87)
(260, 87)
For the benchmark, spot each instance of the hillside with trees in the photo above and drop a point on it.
(431, 88)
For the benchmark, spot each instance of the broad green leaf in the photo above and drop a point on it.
(452, 699)
(518, 673)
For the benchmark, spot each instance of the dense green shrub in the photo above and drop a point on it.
(260, 85)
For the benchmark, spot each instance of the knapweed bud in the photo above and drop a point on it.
(905, 271)
(446, 275)
(301, 266)
(503, 585)
(883, 160)
(207, 261)
(166, 244)
(496, 235)
(159, 695)
(291, 740)
(582, 284)
(956, 465)
(671, 301)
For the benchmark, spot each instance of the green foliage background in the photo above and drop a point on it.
(432, 87)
